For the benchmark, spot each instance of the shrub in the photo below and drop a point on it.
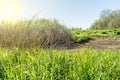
(108, 20)
(42, 33)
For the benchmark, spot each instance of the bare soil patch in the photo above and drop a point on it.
(109, 43)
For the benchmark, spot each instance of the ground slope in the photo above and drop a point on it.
(109, 43)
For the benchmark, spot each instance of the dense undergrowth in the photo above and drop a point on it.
(59, 65)
(41, 33)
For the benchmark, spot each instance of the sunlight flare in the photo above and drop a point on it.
(10, 10)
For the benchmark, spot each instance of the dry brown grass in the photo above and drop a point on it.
(41, 33)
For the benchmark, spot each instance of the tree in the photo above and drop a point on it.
(105, 13)
(108, 20)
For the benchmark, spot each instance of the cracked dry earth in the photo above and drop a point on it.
(109, 43)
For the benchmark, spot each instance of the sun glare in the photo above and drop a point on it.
(10, 10)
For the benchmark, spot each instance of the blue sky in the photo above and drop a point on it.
(73, 13)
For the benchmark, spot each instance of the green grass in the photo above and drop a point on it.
(40, 64)
(81, 36)
(28, 62)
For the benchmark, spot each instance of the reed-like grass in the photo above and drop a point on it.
(42, 33)
(59, 65)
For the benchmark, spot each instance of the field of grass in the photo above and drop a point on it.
(41, 64)
(81, 36)
(32, 50)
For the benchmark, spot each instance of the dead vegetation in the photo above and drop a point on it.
(40, 33)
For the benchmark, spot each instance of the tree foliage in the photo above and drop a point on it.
(108, 20)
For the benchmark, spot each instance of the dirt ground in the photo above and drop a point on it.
(109, 43)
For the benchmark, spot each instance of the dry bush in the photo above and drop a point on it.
(41, 33)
